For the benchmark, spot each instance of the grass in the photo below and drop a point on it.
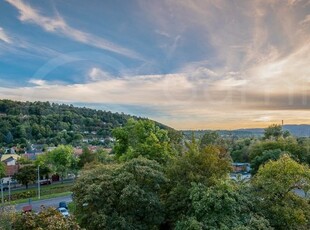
(46, 192)
(20, 201)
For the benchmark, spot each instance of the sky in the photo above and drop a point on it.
(190, 64)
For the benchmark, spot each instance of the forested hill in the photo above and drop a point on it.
(51, 123)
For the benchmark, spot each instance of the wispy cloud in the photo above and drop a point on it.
(4, 37)
(96, 74)
(253, 67)
(58, 25)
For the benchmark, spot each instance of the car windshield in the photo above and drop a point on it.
(62, 210)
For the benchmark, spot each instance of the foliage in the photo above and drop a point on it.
(26, 175)
(289, 145)
(221, 206)
(265, 157)
(86, 157)
(142, 138)
(61, 160)
(7, 217)
(54, 124)
(275, 182)
(199, 166)
(211, 138)
(274, 131)
(2, 169)
(49, 219)
(122, 196)
(239, 150)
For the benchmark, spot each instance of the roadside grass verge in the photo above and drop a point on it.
(20, 201)
(46, 191)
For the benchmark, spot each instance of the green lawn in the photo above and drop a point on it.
(47, 191)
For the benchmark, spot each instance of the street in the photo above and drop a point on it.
(53, 202)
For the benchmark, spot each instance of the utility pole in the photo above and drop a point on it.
(39, 182)
(2, 198)
(10, 191)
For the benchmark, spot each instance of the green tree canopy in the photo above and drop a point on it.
(122, 196)
(194, 166)
(223, 205)
(49, 219)
(211, 138)
(2, 169)
(265, 157)
(274, 131)
(275, 183)
(142, 138)
(61, 160)
(26, 175)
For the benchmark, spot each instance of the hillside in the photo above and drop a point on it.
(50, 123)
(295, 130)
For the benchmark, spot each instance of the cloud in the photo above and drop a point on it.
(96, 74)
(253, 67)
(306, 20)
(58, 25)
(38, 82)
(4, 37)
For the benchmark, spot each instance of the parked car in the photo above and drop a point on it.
(63, 204)
(27, 208)
(45, 181)
(64, 211)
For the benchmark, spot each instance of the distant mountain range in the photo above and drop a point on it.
(296, 130)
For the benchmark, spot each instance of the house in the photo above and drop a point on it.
(241, 167)
(10, 161)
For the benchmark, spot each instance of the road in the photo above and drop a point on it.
(53, 202)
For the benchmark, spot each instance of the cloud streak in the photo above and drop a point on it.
(59, 26)
(4, 37)
(253, 68)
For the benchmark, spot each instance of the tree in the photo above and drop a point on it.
(2, 169)
(48, 218)
(273, 131)
(61, 160)
(9, 138)
(121, 196)
(210, 138)
(194, 166)
(141, 138)
(26, 175)
(265, 157)
(86, 157)
(224, 205)
(275, 183)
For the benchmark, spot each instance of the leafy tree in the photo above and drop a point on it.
(122, 196)
(289, 145)
(265, 157)
(210, 138)
(275, 183)
(61, 160)
(2, 169)
(9, 138)
(141, 138)
(49, 219)
(102, 156)
(221, 206)
(239, 150)
(274, 131)
(26, 175)
(86, 157)
(199, 166)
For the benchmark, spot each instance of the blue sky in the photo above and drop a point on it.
(189, 64)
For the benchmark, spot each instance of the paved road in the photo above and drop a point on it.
(53, 202)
